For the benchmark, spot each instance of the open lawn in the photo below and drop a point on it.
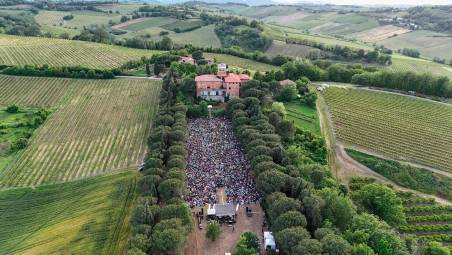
(430, 44)
(304, 117)
(83, 217)
(204, 37)
(396, 126)
(242, 63)
(102, 127)
(19, 50)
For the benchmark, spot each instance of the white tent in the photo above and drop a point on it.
(269, 241)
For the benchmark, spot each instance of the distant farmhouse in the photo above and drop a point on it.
(223, 84)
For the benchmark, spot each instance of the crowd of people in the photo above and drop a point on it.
(215, 160)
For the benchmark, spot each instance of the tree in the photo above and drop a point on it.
(213, 231)
(148, 70)
(362, 249)
(338, 209)
(248, 244)
(286, 130)
(166, 43)
(382, 201)
(289, 238)
(288, 94)
(197, 55)
(170, 188)
(288, 220)
(308, 247)
(335, 245)
(434, 248)
(12, 109)
(279, 108)
(158, 69)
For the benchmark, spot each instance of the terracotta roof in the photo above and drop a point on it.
(186, 58)
(244, 77)
(207, 77)
(232, 77)
(222, 74)
(286, 82)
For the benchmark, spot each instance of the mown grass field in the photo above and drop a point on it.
(241, 62)
(399, 127)
(304, 117)
(18, 50)
(83, 217)
(204, 37)
(183, 24)
(101, 127)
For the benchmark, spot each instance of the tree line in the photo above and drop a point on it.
(66, 71)
(162, 220)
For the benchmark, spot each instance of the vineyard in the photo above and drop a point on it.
(425, 219)
(400, 127)
(82, 217)
(101, 128)
(19, 50)
(405, 64)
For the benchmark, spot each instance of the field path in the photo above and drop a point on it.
(344, 167)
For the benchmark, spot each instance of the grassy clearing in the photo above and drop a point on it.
(19, 50)
(430, 44)
(241, 62)
(82, 217)
(101, 128)
(304, 117)
(380, 33)
(204, 37)
(399, 127)
(15, 128)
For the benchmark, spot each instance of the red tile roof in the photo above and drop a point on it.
(222, 74)
(207, 77)
(244, 77)
(232, 77)
(286, 82)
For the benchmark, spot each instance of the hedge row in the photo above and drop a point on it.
(67, 71)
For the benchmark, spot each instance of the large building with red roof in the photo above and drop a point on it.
(223, 84)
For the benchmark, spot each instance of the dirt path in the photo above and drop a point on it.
(344, 167)
(221, 195)
(197, 244)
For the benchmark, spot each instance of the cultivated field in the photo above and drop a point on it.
(396, 126)
(203, 37)
(35, 91)
(304, 117)
(402, 63)
(241, 62)
(292, 50)
(430, 44)
(100, 128)
(380, 33)
(18, 50)
(82, 217)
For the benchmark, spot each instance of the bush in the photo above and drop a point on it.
(213, 231)
(12, 109)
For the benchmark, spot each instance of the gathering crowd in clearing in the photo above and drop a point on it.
(216, 159)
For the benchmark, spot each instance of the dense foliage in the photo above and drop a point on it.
(437, 18)
(299, 185)
(407, 176)
(69, 72)
(19, 24)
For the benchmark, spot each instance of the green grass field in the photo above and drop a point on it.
(18, 50)
(149, 23)
(183, 24)
(242, 63)
(304, 117)
(82, 217)
(430, 44)
(204, 37)
(396, 126)
(101, 127)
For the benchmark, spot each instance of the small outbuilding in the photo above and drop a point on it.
(286, 83)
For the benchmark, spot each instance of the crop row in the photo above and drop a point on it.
(431, 208)
(426, 228)
(102, 128)
(429, 218)
(393, 125)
